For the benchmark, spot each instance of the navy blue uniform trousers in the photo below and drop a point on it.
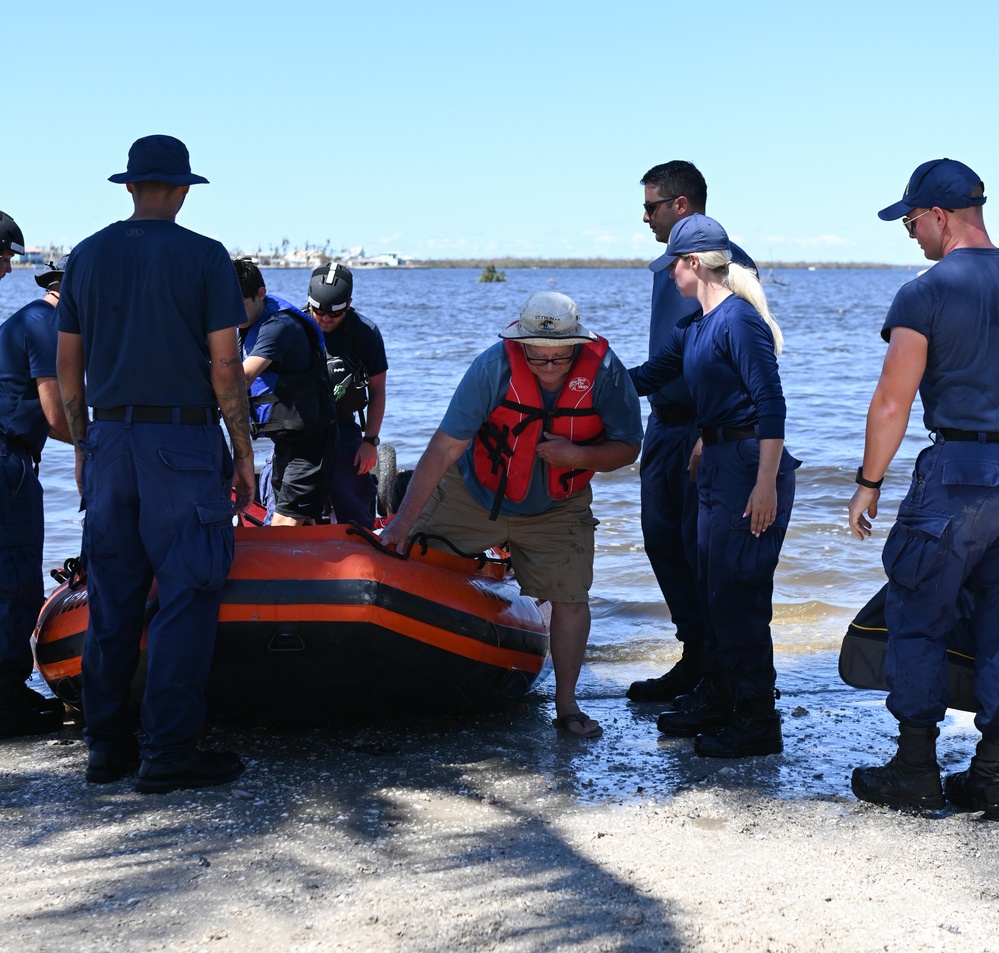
(351, 494)
(669, 524)
(947, 530)
(735, 568)
(158, 504)
(22, 531)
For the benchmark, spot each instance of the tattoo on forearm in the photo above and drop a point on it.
(76, 418)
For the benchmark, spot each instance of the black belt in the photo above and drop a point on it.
(978, 436)
(713, 435)
(671, 414)
(141, 414)
(16, 444)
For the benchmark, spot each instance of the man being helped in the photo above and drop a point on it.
(357, 344)
(11, 243)
(30, 411)
(290, 398)
(943, 340)
(534, 416)
(673, 190)
(149, 313)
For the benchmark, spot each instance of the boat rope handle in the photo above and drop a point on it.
(72, 573)
(356, 529)
(422, 540)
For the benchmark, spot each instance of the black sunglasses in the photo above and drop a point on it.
(650, 207)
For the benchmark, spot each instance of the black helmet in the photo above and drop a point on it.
(10, 235)
(331, 287)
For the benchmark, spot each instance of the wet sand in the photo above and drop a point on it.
(489, 831)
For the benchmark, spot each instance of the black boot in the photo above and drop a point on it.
(911, 779)
(708, 706)
(754, 730)
(977, 787)
(25, 712)
(681, 678)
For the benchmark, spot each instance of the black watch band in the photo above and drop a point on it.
(870, 484)
(374, 441)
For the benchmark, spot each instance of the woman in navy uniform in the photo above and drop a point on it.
(745, 484)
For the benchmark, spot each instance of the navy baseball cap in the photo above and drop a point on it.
(939, 183)
(159, 159)
(693, 234)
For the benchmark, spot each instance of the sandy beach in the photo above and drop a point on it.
(489, 831)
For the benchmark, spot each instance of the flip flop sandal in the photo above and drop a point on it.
(562, 724)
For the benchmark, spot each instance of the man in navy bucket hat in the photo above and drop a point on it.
(943, 342)
(158, 159)
(147, 339)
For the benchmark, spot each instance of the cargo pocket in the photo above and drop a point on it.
(913, 553)
(751, 560)
(210, 564)
(970, 473)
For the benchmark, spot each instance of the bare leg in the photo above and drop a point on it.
(570, 629)
(278, 520)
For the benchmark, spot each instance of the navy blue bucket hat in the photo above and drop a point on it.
(695, 233)
(939, 183)
(159, 159)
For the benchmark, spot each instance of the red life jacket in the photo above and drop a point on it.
(504, 446)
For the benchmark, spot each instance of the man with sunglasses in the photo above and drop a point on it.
(356, 348)
(673, 191)
(532, 419)
(942, 331)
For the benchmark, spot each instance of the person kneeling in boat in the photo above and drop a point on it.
(532, 419)
(291, 402)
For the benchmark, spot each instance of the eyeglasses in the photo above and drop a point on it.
(650, 207)
(910, 223)
(329, 314)
(555, 361)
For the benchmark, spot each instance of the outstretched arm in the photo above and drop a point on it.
(441, 454)
(887, 419)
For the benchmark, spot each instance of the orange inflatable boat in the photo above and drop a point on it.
(322, 619)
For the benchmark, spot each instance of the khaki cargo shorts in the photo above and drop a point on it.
(552, 552)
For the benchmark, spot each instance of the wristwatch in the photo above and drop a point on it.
(870, 484)
(373, 440)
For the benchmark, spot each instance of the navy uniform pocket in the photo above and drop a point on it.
(913, 553)
(751, 560)
(215, 558)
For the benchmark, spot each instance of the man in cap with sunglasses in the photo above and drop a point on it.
(532, 419)
(673, 191)
(355, 346)
(148, 319)
(30, 412)
(942, 331)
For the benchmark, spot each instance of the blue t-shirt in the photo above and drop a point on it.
(358, 337)
(727, 359)
(955, 306)
(145, 295)
(485, 384)
(669, 308)
(281, 339)
(27, 351)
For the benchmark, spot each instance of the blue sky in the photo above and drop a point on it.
(454, 130)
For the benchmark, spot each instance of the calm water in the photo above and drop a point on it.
(435, 321)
